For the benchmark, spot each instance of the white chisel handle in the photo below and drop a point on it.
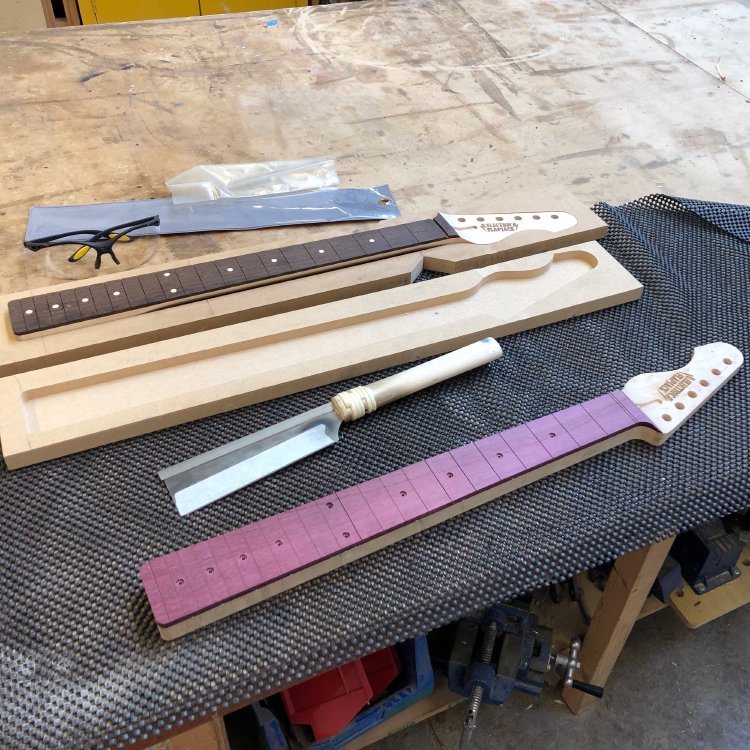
(364, 399)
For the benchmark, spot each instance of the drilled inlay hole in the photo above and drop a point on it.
(329, 504)
(180, 581)
(402, 493)
(499, 455)
(666, 417)
(552, 434)
(243, 557)
(346, 535)
(450, 475)
(278, 542)
(209, 571)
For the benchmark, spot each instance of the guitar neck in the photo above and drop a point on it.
(210, 580)
(88, 302)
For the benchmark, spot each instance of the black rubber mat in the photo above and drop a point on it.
(81, 662)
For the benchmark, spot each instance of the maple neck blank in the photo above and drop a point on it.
(88, 302)
(212, 579)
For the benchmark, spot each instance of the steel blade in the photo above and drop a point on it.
(215, 474)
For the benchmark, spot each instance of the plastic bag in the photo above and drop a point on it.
(208, 182)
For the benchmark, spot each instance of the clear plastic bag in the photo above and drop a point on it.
(208, 182)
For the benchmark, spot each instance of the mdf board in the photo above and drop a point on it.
(113, 11)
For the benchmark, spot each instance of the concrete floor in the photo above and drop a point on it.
(672, 688)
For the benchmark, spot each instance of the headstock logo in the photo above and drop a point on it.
(675, 385)
(505, 226)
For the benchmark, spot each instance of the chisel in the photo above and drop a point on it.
(217, 473)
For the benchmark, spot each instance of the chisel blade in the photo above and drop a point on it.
(203, 479)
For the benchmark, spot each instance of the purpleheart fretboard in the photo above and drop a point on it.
(194, 580)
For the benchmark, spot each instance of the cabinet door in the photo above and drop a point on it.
(209, 7)
(110, 11)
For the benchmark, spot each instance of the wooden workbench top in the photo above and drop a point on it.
(445, 101)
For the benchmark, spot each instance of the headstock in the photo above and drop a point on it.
(484, 229)
(670, 398)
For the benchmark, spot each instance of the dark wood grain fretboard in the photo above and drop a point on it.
(87, 302)
(199, 584)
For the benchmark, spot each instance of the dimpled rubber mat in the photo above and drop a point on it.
(82, 664)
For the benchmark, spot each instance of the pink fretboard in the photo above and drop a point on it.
(185, 583)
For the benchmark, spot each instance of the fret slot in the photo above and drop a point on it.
(43, 315)
(57, 309)
(298, 537)
(189, 280)
(346, 247)
(338, 521)
(297, 257)
(553, 436)
(209, 276)
(243, 559)
(117, 296)
(430, 491)
(580, 426)
(371, 242)
(30, 317)
(475, 467)
(356, 507)
(17, 317)
(231, 272)
(450, 476)
(275, 262)
(498, 454)
(529, 450)
(426, 230)
(152, 288)
(252, 267)
(322, 537)
(322, 252)
(381, 504)
(260, 548)
(227, 565)
(608, 414)
(170, 284)
(70, 303)
(398, 237)
(134, 292)
(102, 303)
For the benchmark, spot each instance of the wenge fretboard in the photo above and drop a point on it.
(194, 580)
(87, 302)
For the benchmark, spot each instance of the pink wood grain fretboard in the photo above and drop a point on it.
(207, 575)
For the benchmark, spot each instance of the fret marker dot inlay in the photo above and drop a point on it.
(167, 273)
(274, 260)
(230, 269)
(173, 291)
(115, 294)
(85, 299)
(54, 307)
(321, 251)
(29, 312)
